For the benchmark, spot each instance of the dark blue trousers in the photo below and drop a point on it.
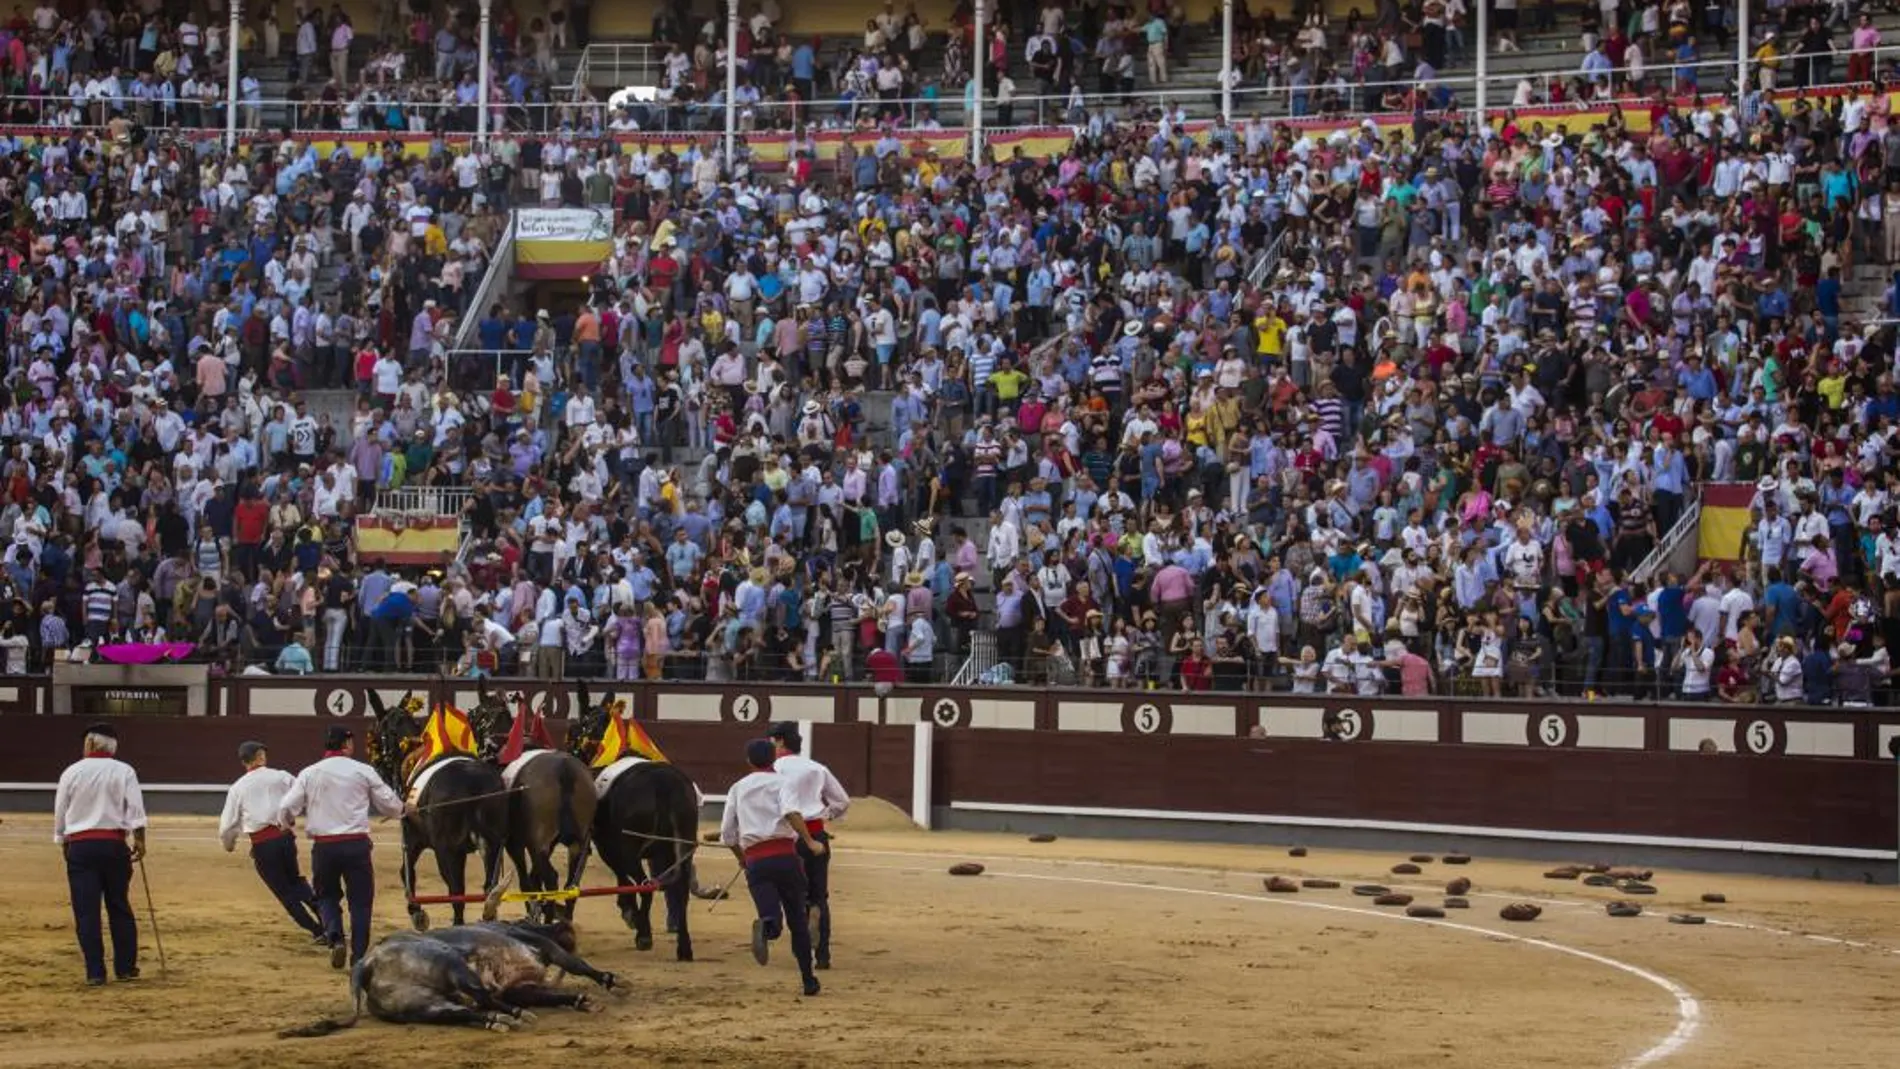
(100, 871)
(818, 889)
(778, 890)
(276, 861)
(341, 869)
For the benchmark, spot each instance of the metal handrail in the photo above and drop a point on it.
(1686, 526)
(501, 268)
(424, 500)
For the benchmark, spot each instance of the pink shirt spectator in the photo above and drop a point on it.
(1171, 583)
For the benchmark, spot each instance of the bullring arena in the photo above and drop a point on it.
(1148, 948)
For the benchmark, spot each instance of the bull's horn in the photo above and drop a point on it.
(491, 906)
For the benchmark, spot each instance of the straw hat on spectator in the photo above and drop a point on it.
(893, 539)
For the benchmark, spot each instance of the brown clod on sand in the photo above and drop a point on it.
(709, 837)
(1457, 859)
(1566, 873)
(1458, 886)
(1045, 837)
(1714, 898)
(1422, 859)
(1596, 867)
(1687, 918)
(1521, 911)
(1623, 909)
(1427, 912)
(1598, 879)
(1632, 887)
(1405, 869)
(1368, 890)
(1320, 885)
(1457, 902)
(1298, 851)
(1639, 875)
(1280, 885)
(1393, 899)
(966, 868)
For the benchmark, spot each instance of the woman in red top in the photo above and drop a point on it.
(1196, 670)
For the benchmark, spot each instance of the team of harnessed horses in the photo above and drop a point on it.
(491, 780)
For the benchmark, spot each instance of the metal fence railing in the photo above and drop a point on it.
(424, 500)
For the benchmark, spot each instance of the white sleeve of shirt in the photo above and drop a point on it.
(228, 820)
(834, 796)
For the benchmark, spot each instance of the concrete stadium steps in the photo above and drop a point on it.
(339, 405)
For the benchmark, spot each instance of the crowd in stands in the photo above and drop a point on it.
(1395, 409)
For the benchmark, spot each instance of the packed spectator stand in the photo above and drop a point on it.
(1253, 405)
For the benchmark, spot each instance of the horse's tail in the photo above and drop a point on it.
(569, 830)
(332, 1025)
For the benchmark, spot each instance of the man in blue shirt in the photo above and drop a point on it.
(1621, 627)
(390, 619)
(1781, 604)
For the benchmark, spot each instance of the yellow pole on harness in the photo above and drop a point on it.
(567, 895)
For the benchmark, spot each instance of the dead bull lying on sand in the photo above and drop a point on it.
(486, 975)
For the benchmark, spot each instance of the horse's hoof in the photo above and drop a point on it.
(524, 1016)
(672, 928)
(419, 920)
(626, 917)
(686, 954)
(643, 942)
(496, 1022)
(589, 1005)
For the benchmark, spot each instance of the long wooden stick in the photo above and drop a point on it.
(151, 912)
(725, 892)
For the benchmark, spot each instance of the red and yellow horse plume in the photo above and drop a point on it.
(446, 732)
(624, 737)
(528, 727)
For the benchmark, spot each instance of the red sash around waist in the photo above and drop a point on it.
(356, 837)
(97, 835)
(771, 848)
(268, 833)
(814, 826)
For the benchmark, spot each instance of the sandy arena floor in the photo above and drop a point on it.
(1074, 953)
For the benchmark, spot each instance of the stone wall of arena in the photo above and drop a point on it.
(1790, 788)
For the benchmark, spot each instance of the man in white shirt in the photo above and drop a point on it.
(251, 809)
(764, 832)
(1698, 661)
(336, 796)
(99, 823)
(810, 788)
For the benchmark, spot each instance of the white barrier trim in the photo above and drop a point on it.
(922, 756)
(1852, 853)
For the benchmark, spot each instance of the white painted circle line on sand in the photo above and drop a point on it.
(1688, 1009)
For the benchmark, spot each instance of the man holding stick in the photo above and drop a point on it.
(99, 822)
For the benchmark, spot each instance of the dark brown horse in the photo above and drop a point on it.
(463, 808)
(647, 826)
(551, 799)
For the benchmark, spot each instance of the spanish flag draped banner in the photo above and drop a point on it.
(397, 540)
(1725, 519)
(625, 737)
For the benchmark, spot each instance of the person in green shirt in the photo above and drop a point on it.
(1008, 382)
